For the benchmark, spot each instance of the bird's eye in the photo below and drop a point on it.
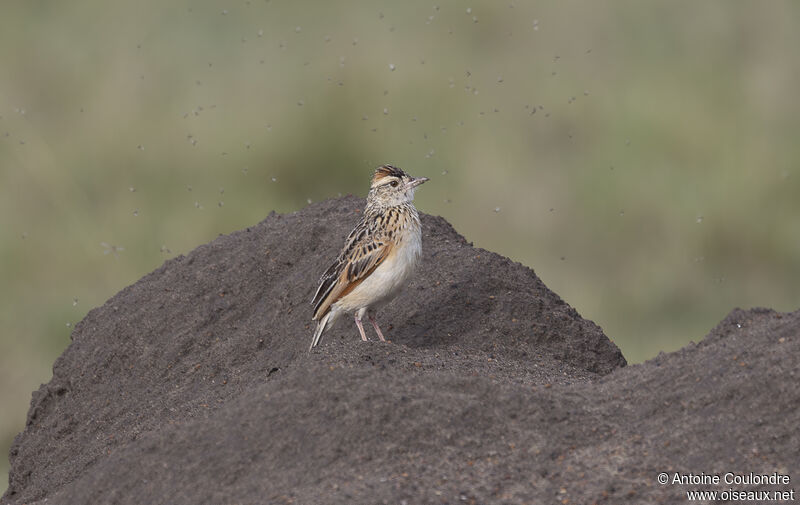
(394, 184)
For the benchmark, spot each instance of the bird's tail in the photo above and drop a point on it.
(321, 324)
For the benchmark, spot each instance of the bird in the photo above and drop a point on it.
(378, 256)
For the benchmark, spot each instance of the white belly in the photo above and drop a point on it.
(388, 278)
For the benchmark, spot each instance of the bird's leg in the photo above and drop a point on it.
(375, 325)
(361, 328)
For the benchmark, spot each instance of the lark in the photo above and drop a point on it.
(378, 256)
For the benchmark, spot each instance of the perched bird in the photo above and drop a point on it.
(378, 255)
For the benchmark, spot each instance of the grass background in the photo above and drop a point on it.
(642, 157)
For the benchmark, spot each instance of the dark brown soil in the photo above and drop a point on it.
(195, 385)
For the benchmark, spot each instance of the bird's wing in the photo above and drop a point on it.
(362, 253)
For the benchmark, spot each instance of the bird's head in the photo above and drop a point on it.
(391, 186)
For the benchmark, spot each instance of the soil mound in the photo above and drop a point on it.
(195, 385)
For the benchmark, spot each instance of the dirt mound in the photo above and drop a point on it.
(195, 385)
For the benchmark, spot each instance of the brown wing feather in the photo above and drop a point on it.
(362, 253)
(328, 280)
(352, 276)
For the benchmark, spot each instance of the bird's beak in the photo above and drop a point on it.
(413, 183)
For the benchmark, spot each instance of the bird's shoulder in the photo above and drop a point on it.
(369, 239)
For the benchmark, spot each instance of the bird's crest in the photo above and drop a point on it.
(386, 171)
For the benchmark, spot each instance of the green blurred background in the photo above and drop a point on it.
(642, 157)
